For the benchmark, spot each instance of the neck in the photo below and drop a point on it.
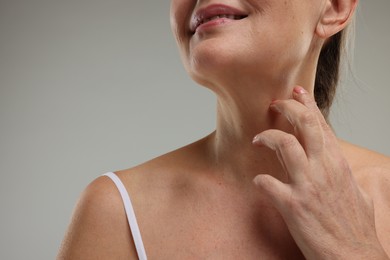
(239, 119)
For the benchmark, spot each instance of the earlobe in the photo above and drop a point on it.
(335, 17)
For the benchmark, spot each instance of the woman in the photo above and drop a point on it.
(272, 182)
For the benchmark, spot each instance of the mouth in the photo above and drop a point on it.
(215, 12)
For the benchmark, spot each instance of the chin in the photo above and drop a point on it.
(213, 60)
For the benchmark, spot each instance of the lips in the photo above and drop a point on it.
(214, 12)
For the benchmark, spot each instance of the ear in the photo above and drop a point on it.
(335, 17)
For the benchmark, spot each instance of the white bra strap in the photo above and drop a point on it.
(139, 245)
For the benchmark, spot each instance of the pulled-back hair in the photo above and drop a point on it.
(328, 72)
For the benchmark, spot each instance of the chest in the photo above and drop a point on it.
(218, 231)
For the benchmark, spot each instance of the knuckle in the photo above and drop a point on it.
(308, 118)
(312, 102)
(309, 100)
(326, 128)
(288, 141)
(312, 191)
(310, 195)
(298, 205)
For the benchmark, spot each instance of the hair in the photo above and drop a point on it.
(328, 72)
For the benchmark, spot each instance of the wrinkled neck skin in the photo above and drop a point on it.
(243, 112)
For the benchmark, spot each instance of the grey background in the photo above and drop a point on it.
(89, 86)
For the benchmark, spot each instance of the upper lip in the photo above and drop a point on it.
(213, 10)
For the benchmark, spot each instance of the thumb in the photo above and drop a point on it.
(275, 190)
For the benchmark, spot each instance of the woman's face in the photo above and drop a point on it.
(260, 38)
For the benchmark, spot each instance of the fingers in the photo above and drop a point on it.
(306, 124)
(311, 128)
(288, 150)
(306, 145)
(302, 96)
(274, 189)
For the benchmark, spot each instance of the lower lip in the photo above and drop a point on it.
(214, 23)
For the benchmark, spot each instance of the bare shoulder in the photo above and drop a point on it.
(372, 172)
(165, 174)
(98, 229)
(371, 169)
(367, 165)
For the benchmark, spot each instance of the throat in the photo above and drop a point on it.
(238, 161)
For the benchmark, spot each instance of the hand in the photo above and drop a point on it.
(327, 214)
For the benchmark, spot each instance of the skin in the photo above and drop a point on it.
(273, 181)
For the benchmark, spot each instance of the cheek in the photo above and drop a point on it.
(281, 35)
(176, 19)
(180, 13)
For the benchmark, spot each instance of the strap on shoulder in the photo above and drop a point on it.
(139, 245)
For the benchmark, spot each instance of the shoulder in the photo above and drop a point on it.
(167, 173)
(98, 228)
(362, 159)
(371, 169)
(157, 183)
(372, 172)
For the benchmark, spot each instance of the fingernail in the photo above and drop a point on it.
(257, 180)
(256, 140)
(300, 90)
(275, 108)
